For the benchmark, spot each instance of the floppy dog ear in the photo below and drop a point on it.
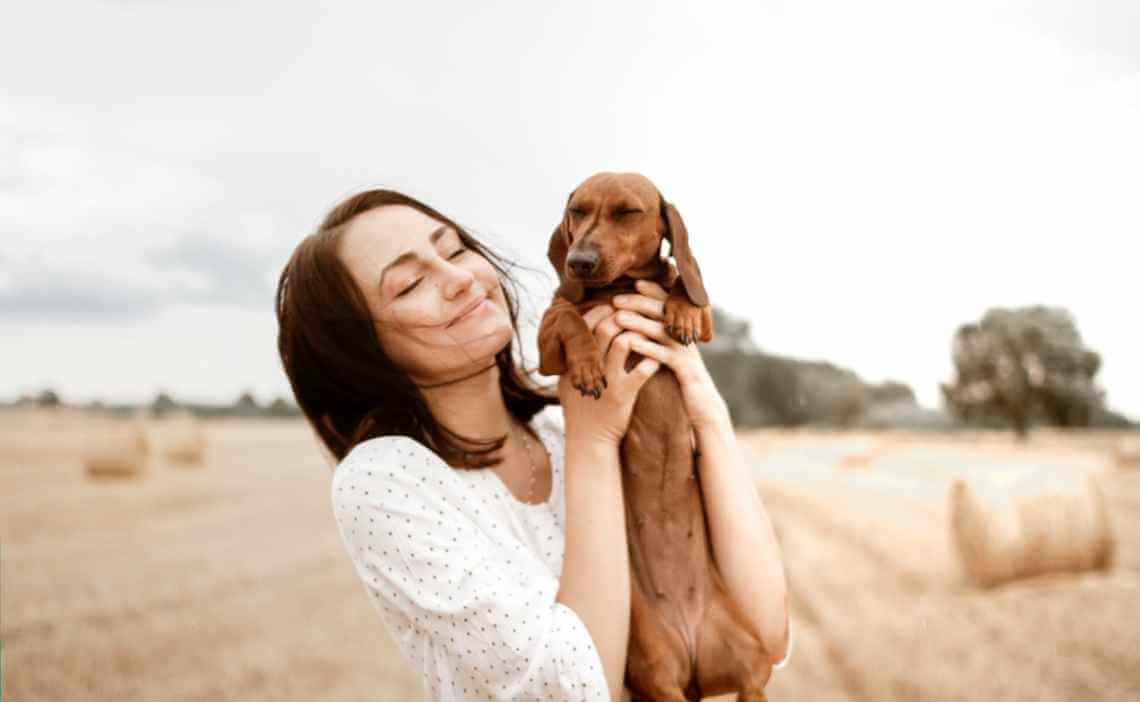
(556, 251)
(687, 266)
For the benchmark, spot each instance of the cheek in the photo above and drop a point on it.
(396, 345)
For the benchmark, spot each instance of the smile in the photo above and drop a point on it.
(474, 309)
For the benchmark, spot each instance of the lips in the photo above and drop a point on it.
(467, 309)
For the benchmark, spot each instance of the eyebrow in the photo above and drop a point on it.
(410, 255)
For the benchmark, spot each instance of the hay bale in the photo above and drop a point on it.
(184, 440)
(1029, 525)
(118, 451)
(1128, 452)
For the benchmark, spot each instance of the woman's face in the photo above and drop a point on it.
(419, 280)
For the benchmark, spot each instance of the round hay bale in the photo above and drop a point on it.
(184, 441)
(1030, 525)
(1128, 452)
(118, 451)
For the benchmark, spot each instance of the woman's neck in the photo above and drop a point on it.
(472, 406)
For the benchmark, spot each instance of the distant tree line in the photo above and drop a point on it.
(164, 404)
(763, 389)
(1015, 368)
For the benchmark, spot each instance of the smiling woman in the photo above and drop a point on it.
(396, 330)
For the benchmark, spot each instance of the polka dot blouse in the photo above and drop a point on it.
(464, 574)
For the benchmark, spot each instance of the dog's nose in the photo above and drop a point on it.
(583, 262)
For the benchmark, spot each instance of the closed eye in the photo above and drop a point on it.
(413, 285)
(623, 213)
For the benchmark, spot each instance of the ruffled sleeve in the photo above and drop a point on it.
(475, 614)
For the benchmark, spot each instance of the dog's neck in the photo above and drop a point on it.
(656, 269)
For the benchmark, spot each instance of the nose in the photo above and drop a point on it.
(583, 262)
(456, 280)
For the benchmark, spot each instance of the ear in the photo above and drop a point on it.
(556, 251)
(678, 238)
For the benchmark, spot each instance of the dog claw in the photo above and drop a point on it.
(597, 393)
(604, 383)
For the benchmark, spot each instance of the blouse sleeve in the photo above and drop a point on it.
(477, 621)
(791, 644)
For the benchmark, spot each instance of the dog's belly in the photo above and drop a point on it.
(670, 560)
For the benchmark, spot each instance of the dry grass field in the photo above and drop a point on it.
(226, 579)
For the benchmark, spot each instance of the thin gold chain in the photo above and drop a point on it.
(533, 470)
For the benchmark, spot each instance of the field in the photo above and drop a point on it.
(228, 581)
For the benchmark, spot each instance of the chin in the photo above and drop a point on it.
(492, 337)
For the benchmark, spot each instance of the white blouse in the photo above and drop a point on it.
(464, 574)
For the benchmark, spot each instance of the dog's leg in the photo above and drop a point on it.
(730, 655)
(566, 345)
(684, 321)
(657, 661)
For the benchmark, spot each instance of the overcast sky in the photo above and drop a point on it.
(858, 179)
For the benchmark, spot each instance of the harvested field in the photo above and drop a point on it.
(229, 582)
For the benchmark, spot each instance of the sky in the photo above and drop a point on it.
(858, 179)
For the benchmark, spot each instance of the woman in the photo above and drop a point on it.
(485, 521)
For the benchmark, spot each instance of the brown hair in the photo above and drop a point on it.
(345, 384)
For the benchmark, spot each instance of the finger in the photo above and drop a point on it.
(605, 332)
(651, 349)
(596, 314)
(652, 289)
(648, 306)
(649, 327)
(619, 353)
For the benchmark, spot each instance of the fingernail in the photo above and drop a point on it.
(620, 299)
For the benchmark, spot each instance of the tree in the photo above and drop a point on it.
(246, 406)
(163, 405)
(281, 407)
(1022, 366)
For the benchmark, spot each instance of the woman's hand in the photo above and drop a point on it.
(606, 419)
(643, 312)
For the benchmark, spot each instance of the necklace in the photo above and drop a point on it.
(533, 469)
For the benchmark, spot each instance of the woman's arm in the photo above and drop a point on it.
(744, 543)
(595, 566)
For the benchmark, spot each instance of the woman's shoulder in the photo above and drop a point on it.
(394, 459)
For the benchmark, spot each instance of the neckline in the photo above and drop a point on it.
(538, 432)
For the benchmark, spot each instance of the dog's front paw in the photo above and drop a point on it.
(686, 322)
(586, 373)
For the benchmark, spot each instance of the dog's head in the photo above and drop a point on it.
(614, 222)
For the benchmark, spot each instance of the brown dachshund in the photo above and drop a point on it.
(687, 637)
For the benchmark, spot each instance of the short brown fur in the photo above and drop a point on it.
(688, 637)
